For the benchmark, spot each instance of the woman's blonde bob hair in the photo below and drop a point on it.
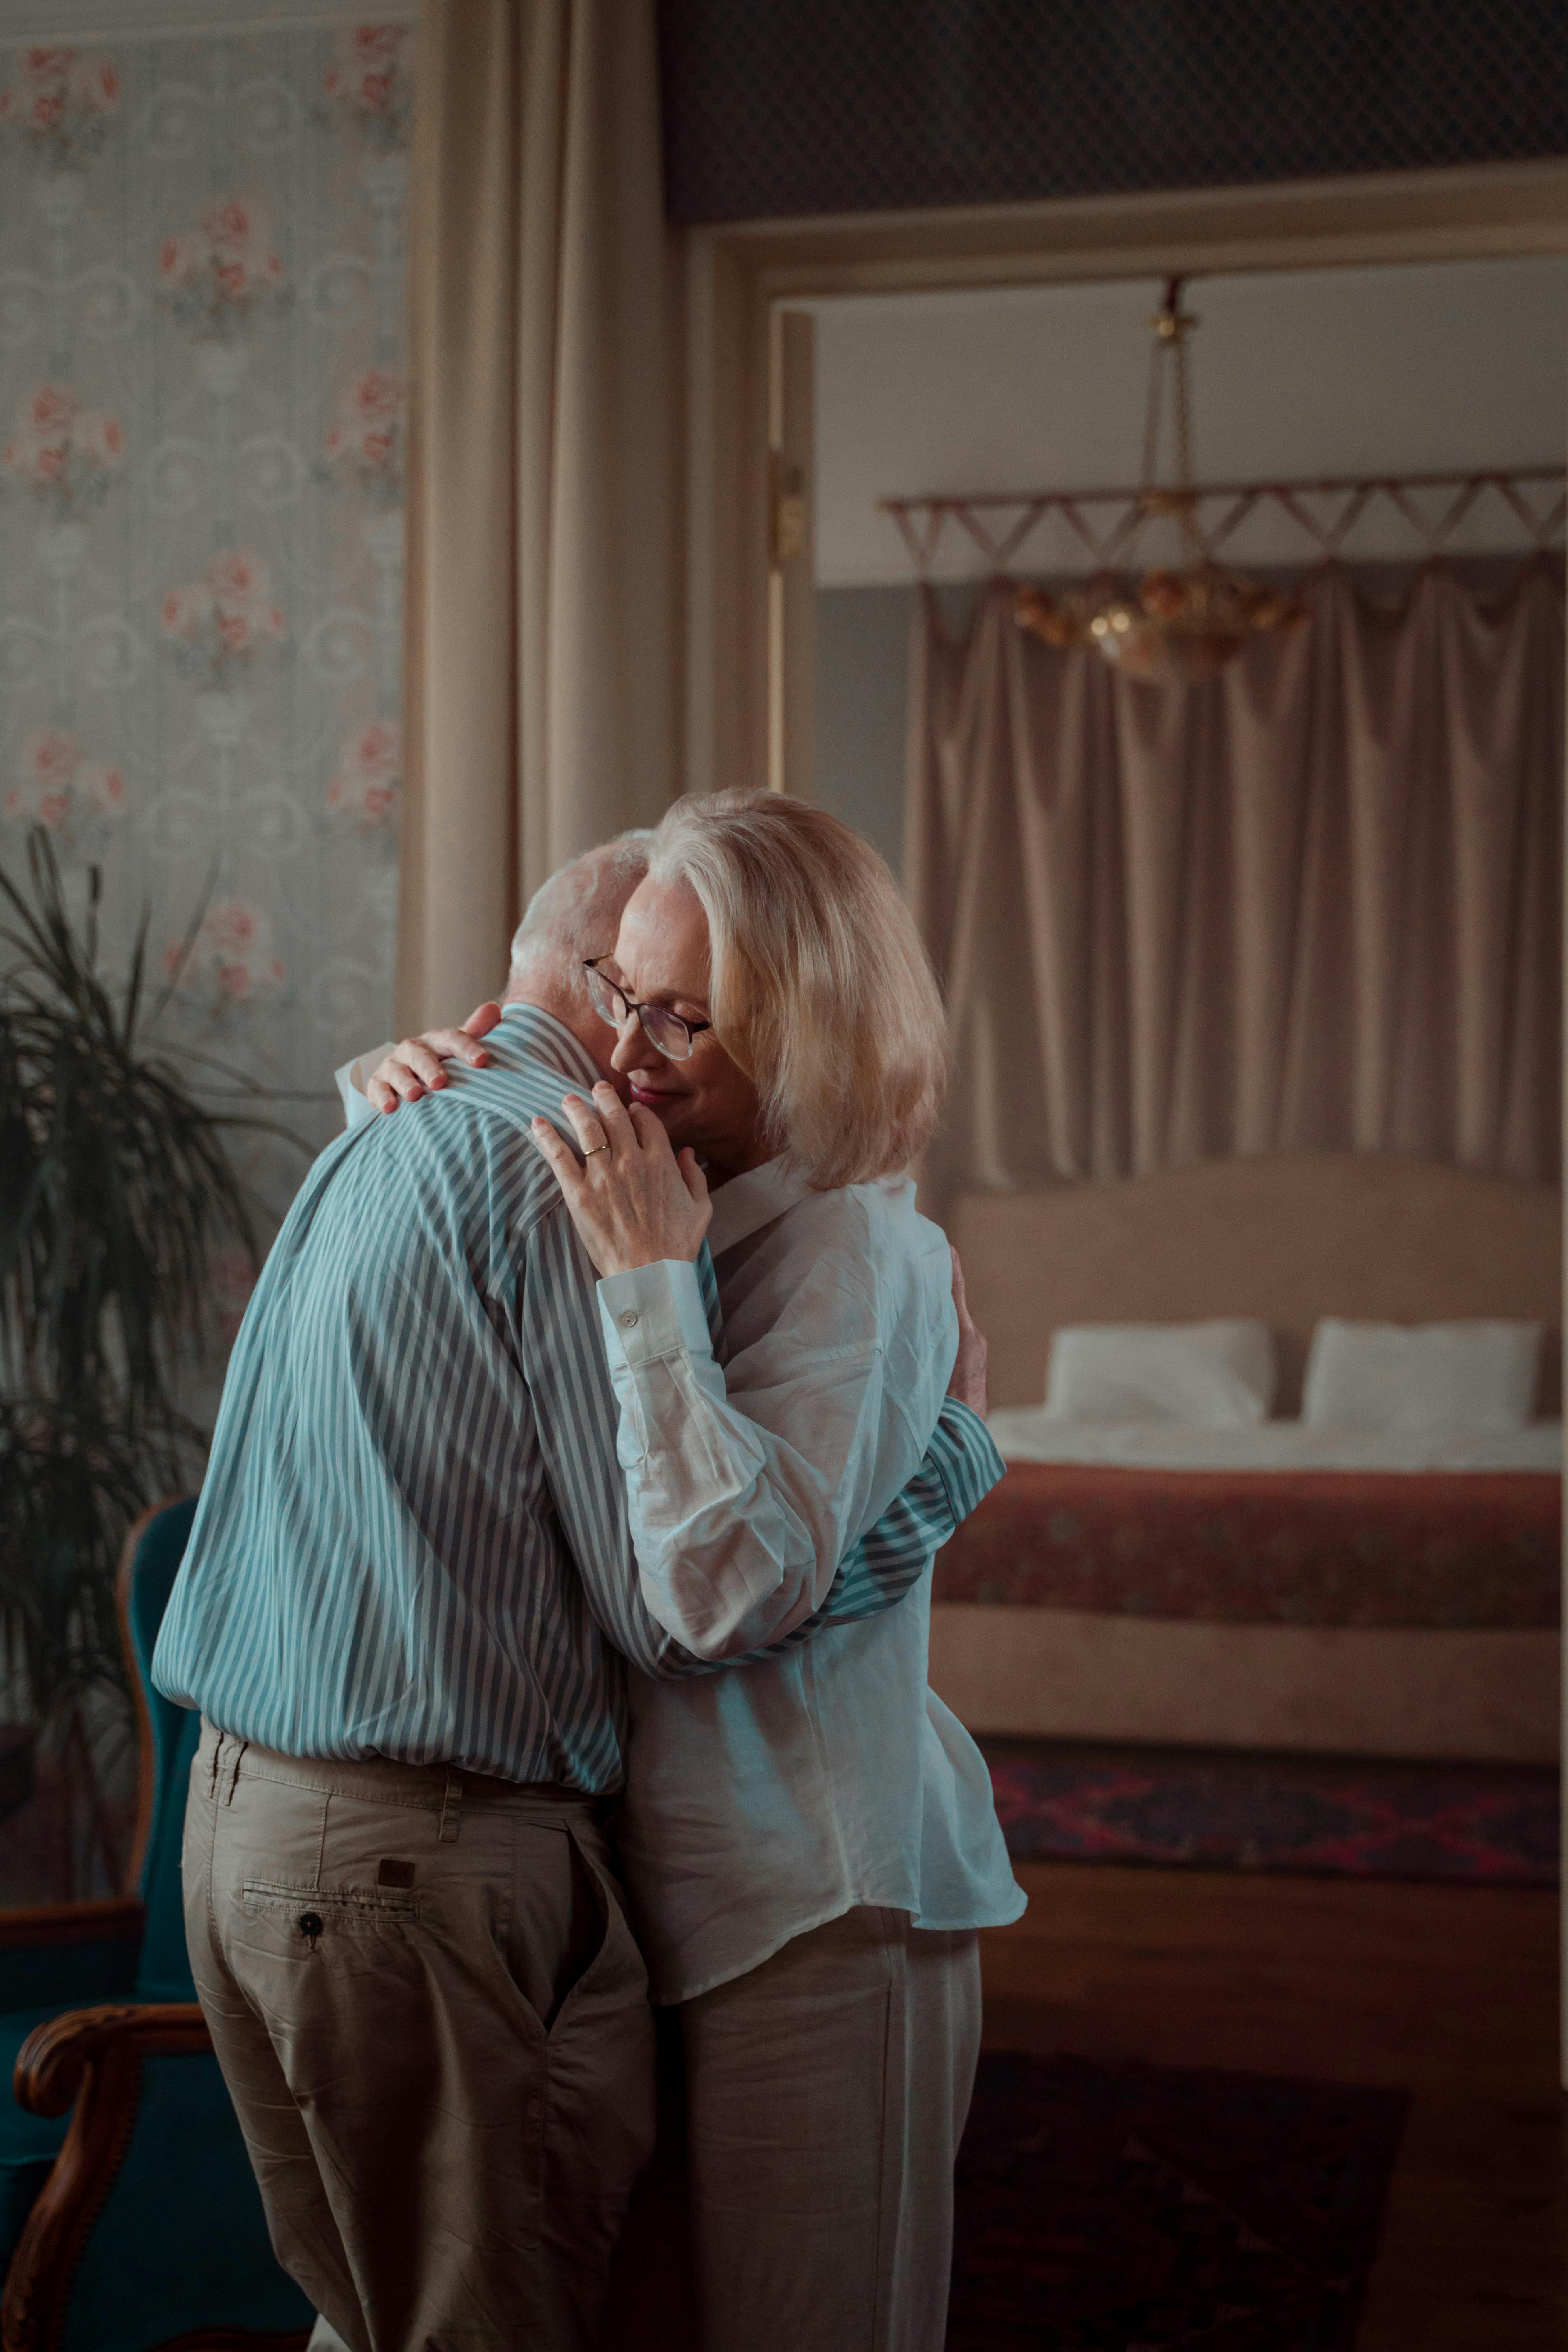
(819, 986)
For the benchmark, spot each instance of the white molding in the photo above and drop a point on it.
(141, 20)
(931, 237)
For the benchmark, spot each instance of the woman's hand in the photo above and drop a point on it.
(968, 1382)
(632, 1201)
(414, 1068)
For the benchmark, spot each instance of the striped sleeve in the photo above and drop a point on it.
(708, 1285)
(961, 1468)
(963, 1453)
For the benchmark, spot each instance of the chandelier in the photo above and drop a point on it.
(1184, 622)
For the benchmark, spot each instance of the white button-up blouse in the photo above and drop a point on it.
(764, 1802)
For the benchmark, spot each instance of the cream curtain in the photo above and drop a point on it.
(1313, 904)
(543, 593)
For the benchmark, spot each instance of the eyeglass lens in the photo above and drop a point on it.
(663, 1028)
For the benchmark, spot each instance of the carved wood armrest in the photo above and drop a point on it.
(117, 1917)
(55, 2058)
(91, 2060)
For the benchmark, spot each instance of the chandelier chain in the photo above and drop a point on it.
(1183, 414)
(1152, 418)
(1172, 326)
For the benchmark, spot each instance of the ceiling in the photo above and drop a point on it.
(1297, 375)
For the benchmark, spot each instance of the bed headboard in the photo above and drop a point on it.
(1286, 1239)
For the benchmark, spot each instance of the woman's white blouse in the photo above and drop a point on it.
(767, 1802)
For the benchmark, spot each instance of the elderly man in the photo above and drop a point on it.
(403, 1614)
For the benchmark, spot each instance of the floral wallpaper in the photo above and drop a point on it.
(202, 398)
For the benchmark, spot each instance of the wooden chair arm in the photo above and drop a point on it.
(55, 2058)
(117, 1917)
(91, 2060)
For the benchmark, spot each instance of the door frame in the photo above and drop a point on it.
(739, 276)
(747, 719)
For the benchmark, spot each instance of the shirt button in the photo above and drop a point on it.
(628, 1320)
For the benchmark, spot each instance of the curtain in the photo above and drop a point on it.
(1311, 903)
(543, 588)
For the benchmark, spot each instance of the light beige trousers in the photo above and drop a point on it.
(433, 2020)
(827, 2092)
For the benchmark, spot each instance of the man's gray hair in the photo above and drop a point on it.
(577, 912)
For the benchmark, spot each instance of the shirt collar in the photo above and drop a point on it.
(532, 1031)
(747, 1203)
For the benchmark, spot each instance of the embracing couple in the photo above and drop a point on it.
(557, 1609)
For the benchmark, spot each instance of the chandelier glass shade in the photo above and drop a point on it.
(1184, 622)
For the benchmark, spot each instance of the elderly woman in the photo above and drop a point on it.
(810, 1845)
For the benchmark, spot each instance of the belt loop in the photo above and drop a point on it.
(240, 1748)
(450, 1822)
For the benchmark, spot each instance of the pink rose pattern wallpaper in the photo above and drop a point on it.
(202, 405)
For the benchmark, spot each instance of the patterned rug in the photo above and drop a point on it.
(1153, 2208)
(1208, 1809)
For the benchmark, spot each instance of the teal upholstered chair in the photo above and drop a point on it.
(128, 2215)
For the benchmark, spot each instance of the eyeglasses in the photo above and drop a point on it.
(667, 1030)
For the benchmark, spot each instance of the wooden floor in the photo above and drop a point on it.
(1451, 1992)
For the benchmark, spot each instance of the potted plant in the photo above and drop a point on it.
(115, 1192)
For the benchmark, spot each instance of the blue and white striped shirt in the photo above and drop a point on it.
(413, 1540)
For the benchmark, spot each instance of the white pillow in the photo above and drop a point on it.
(1209, 1375)
(1472, 1375)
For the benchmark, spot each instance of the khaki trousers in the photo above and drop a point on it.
(433, 2020)
(827, 2092)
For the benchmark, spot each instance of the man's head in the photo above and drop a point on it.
(575, 915)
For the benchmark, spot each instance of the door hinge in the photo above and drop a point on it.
(787, 520)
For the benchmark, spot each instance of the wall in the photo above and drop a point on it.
(862, 682)
(1295, 375)
(201, 521)
(862, 642)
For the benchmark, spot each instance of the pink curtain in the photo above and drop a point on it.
(1313, 904)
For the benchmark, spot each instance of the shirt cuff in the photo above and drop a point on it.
(652, 1311)
(352, 1079)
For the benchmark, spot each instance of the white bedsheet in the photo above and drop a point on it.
(1036, 1435)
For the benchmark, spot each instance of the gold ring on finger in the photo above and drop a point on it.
(598, 1147)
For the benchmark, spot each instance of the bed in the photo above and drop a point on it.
(1278, 1586)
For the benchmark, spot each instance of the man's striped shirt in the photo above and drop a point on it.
(412, 1541)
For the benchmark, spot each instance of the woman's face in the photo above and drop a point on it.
(661, 958)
